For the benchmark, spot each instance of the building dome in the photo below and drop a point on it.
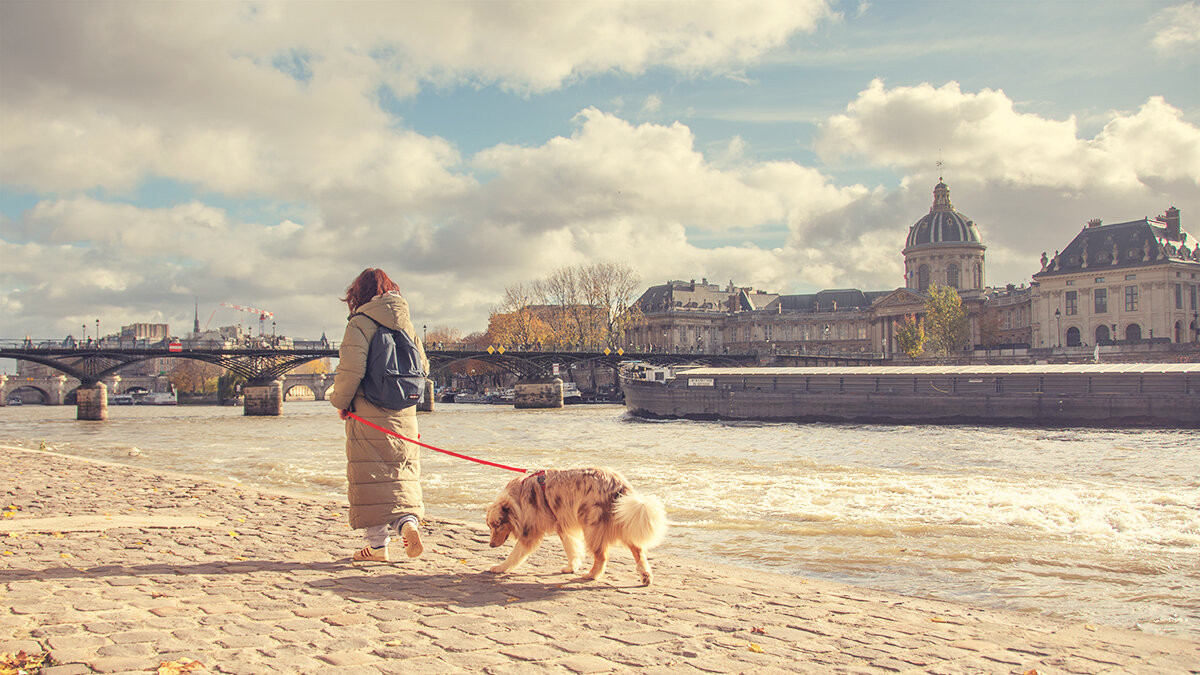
(942, 225)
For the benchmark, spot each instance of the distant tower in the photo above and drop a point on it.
(943, 248)
(196, 329)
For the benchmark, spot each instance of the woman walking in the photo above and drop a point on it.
(384, 472)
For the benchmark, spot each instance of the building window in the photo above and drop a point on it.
(1192, 297)
(1130, 277)
(1101, 297)
(1073, 337)
(1102, 334)
(1133, 332)
(1131, 298)
(952, 276)
(923, 278)
(1099, 280)
(1178, 296)
(1070, 282)
(1072, 303)
(978, 276)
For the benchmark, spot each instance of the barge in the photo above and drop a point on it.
(1119, 395)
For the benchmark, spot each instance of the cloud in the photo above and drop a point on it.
(983, 137)
(1177, 29)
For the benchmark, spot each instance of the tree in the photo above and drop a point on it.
(593, 304)
(910, 335)
(946, 322)
(442, 336)
(190, 376)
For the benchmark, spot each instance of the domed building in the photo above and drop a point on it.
(944, 248)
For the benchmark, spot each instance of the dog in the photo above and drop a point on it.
(597, 503)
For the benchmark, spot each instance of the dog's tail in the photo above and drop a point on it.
(641, 518)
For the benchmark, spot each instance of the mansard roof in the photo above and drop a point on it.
(827, 300)
(1137, 243)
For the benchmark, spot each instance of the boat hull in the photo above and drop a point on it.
(1161, 396)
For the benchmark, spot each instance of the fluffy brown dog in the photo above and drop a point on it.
(597, 503)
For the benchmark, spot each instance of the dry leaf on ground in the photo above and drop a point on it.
(179, 667)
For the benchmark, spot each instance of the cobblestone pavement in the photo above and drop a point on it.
(112, 569)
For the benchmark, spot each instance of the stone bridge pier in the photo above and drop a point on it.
(262, 398)
(91, 402)
(538, 393)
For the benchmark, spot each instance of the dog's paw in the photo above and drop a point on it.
(498, 569)
(568, 569)
(646, 579)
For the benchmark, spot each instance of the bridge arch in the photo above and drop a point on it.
(19, 389)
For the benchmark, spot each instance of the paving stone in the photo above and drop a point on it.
(123, 606)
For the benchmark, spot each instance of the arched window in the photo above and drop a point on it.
(1102, 334)
(1073, 337)
(923, 277)
(978, 276)
(952, 276)
(1133, 332)
(1178, 332)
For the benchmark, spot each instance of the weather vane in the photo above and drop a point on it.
(939, 165)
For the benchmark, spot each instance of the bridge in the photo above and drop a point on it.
(85, 370)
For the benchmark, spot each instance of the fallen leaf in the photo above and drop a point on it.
(21, 662)
(394, 643)
(1089, 627)
(755, 648)
(64, 555)
(759, 630)
(462, 562)
(938, 619)
(232, 533)
(512, 599)
(1033, 671)
(184, 665)
(8, 553)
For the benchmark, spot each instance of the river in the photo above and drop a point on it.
(1099, 526)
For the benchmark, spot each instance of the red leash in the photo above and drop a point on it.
(389, 432)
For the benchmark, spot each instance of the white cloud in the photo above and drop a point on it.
(1177, 28)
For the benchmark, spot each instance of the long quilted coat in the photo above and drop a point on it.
(384, 472)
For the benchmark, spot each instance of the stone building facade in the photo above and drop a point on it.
(943, 247)
(1125, 283)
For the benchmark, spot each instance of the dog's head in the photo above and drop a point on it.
(499, 520)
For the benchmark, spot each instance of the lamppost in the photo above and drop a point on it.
(1058, 319)
(97, 332)
(274, 341)
(1196, 326)
(423, 333)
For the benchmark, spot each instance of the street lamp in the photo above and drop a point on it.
(423, 329)
(1058, 319)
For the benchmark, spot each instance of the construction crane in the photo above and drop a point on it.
(263, 315)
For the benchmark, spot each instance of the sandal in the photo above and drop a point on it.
(372, 554)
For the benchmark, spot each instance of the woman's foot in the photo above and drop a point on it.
(373, 554)
(412, 539)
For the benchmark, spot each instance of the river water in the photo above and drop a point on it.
(1099, 526)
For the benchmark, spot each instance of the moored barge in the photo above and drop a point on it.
(1122, 395)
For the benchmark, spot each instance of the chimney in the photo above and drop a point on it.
(1094, 222)
(1171, 218)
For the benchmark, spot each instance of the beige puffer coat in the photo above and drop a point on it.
(384, 472)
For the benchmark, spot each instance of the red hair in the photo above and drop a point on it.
(372, 282)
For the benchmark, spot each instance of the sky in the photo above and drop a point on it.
(158, 159)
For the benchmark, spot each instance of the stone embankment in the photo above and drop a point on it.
(113, 569)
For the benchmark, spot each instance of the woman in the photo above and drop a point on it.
(384, 471)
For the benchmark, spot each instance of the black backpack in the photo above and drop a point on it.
(394, 378)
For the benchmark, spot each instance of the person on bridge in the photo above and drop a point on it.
(384, 472)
